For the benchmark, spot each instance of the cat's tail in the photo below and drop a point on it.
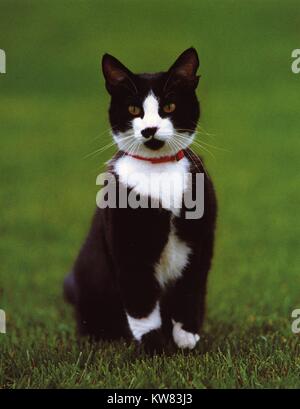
(70, 289)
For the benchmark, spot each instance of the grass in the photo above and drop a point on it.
(53, 106)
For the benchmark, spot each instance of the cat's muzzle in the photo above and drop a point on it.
(154, 144)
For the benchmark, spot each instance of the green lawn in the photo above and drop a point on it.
(53, 114)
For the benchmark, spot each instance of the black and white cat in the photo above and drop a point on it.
(142, 272)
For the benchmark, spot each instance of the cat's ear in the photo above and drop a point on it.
(115, 73)
(185, 68)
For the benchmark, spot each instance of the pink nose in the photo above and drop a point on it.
(148, 132)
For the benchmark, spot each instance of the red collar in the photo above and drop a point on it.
(179, 155)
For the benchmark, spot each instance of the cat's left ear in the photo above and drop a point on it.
(185, 68)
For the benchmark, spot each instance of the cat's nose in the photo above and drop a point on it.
(148, 132)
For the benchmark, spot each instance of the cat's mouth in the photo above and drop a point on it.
(154, 144)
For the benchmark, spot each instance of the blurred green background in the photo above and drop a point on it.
(53, 114)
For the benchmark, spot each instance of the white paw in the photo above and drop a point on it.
(182, 338)
(141, 326)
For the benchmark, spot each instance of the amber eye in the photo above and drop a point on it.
(134, 110)
(169, 108)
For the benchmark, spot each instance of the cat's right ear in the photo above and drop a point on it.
(115, 74)
(184, 70)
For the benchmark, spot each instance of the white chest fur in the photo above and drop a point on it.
(174, 258)
(165, 182)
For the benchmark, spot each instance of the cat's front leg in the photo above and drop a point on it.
(188, 299)
(136, 245)
(140, 294)
(147, 330)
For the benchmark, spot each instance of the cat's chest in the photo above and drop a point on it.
(165, 182)
(174, 258)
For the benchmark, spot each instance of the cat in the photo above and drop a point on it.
(142, 272)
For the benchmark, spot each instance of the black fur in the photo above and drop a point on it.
(114, 271)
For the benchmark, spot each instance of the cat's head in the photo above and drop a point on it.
(153, 115)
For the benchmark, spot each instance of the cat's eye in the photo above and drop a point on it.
(134, 110)
(168, 108)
